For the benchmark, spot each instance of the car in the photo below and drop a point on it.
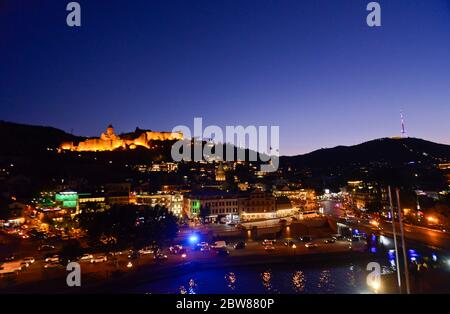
(223, 252)
(354, 239)
(145, 251)
(338, 237)
(240, 245)
(289, 243)
(132, 254)
(51, 265)
(328, 241)
(24, 264)
(86, 257)
(29, 260)
(311, 245)
(46, 247)
(10, 258)
(52, 259)
(269, 241)
(115, 253)
(176, 249)
(203, 246)
(306, 239)
(269, 248)
(219, 245)
(160, 257)
(205, 249)
(99, 259)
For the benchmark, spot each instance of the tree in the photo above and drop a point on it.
(70, 251)
(126, 225)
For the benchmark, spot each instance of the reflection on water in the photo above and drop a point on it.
(337, 277)
(266, 278)
(351, 278)
(231, 280)
(183, 290)
(192, 286)
(278, 279)
(298, 281)
(326, 283)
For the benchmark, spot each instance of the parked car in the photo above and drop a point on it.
(269, 241)
(338, 237)
(99, 259)
(29, 260)
(52, 259)
(52, 265)
(132, 254)
(46, 247)
(10, 258)
(86, 257)
(160, 257)
(289, 243)
(223, 252)
(176, 249)
(219, 245)
(306, 239)
(329, 241)
(240, 245)
(145, 251)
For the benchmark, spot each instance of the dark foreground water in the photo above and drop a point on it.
(280, 278)
(326, 278)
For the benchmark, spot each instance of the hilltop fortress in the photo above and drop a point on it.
(109, 141)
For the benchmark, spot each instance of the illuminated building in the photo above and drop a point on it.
(109, 141)
(220, 204)
(300, 198)
(172, 201)
(68, 201)
(220, 173)
(91, 202)
(257, 205)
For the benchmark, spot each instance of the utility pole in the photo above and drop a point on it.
(405, 257)
(391, 207)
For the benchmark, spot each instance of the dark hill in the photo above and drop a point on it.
(386, 150)
(20, 139)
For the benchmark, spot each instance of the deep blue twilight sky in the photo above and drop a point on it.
(312, 67)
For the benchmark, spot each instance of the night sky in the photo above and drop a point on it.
(312, 67)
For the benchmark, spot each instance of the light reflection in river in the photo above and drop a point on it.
(192, 286)
(299, 281)
(231, 280)
(326, 283)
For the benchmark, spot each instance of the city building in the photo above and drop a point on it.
(219, 206)
(92, 202)
(67, 201)
(304, 199)
(256, 205)
(118, 193)
(172, 201)
(220, 174)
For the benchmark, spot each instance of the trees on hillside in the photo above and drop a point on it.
(122, 226)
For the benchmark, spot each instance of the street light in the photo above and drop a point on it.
(294, 247)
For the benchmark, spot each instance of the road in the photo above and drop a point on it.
(429, 237)
(93, 274)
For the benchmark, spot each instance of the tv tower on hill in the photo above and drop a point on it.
(402, 121)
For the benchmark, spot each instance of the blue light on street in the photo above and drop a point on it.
(193, 239)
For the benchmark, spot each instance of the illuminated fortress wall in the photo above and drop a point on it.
(110, 141)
